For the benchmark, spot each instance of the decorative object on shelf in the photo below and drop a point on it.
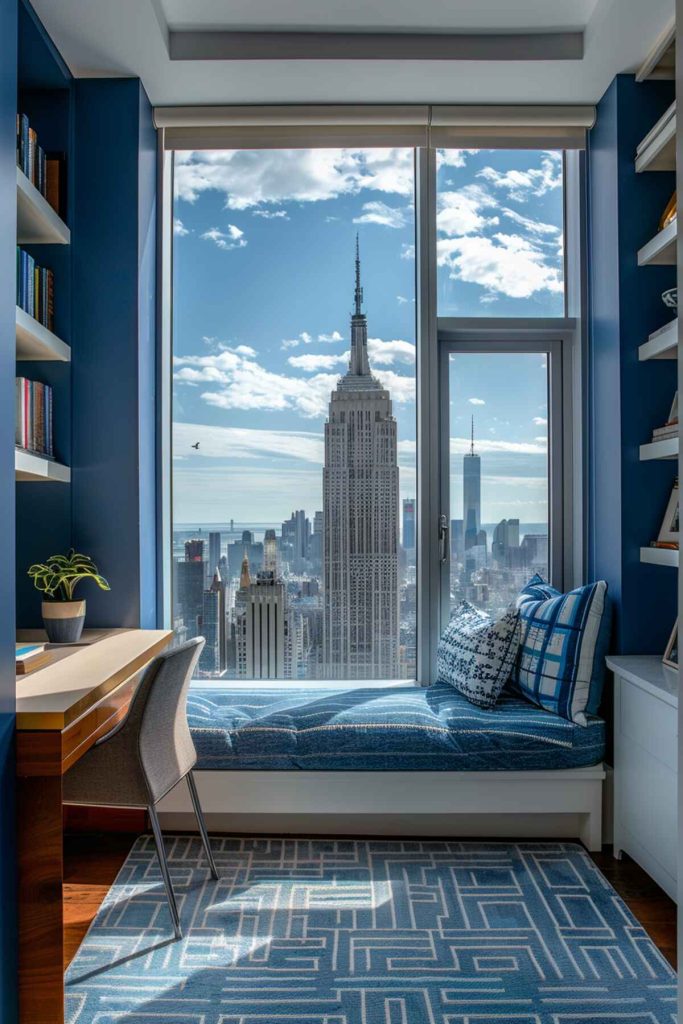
(669, 214)
(670, 298)
(668, 534)
(670, 658)
(670, 428)
(63, 617)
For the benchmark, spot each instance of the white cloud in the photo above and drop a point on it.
(271, 214)
(233, 238)
(382, 214)
(476, 401)
(540, 421)
(535, 181)
(541, 440)
(385, 353)
(179, 228)
(402, 388)
(535, 227)
(461, 445)
(243, 443)
(334, 336)
(317, 361)
(407, 251)
(460, 212)
(253, 178)
(508, 264)
(303, 339)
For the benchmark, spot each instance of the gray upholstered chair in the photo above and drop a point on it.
(147, 754)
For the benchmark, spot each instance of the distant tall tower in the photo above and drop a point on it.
(214, 551)
(270, 552)
(360, 517)
(260, 628)
(409, 523)
(471, 471)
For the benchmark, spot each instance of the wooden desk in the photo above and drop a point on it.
(62, 709)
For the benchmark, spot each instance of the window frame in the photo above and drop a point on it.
(563, 337)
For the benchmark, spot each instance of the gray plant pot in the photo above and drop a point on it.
(63, 621)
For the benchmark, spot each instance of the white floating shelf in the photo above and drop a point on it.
(662, 344)
(657, 152)
(667, 449)
(35, 341)
(660, 556)
(660, 62)
(30, 467)
(37, 222)
(660, 250)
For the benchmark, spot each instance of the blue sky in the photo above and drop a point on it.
(263, 288)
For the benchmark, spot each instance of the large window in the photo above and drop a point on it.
(294, 465)
(376, 376)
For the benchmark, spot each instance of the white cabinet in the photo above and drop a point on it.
(645, 765)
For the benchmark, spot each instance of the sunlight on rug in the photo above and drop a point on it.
(368, 932)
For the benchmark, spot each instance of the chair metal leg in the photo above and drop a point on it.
(165, 874)
(200, 821)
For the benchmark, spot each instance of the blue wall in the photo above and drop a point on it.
(627, 498)
(8, 101)
(113, 465)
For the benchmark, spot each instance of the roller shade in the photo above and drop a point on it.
(410, 125)
(274, 127)
(503, 127)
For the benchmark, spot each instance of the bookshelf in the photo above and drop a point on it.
(36, 343)
(31, 468)
(660, 251)
(659, 556)
(666, 449)
(661, 344)
(37, 222)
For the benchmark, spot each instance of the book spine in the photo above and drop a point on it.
(24, 145)
(50, 301)
(48, 422)
(32, 146)
(19, 412)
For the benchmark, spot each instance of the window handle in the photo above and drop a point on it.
(443, 538)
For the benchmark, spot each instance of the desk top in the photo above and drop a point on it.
(53, 697)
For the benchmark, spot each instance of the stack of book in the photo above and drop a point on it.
(35, 289)
(33, 420)
(44, 170)
(29, 657)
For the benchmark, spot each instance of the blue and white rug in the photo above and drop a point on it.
(368, 932)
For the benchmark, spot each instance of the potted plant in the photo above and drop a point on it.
(63, 617)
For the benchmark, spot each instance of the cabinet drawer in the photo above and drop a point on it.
(646, 796)
(649, 723)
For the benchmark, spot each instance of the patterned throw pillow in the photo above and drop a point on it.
(476, 654)
(564, 638)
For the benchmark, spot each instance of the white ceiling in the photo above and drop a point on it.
(129, 37)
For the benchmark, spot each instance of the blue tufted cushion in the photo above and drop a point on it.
(564, 638)
(476, 654)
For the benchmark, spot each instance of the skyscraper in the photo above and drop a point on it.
(260, 627)
(471, 484)
(360, 516)
(214, 552)
(409, 523)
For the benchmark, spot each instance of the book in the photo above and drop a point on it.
(33, 161)
(29, 657)
(33, 417)
(35, 289)
(55, 182)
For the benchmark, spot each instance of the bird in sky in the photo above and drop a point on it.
(195, 446)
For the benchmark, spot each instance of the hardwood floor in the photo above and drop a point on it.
(92, 861)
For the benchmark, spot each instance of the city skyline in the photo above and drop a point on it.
(252, 378)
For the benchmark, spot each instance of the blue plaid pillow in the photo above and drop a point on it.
(476, 654)
(564, 638)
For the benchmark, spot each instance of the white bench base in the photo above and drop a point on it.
(563, 804)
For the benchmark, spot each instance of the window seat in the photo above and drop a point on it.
(395, 728)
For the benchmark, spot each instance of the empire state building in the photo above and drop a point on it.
(361, 516)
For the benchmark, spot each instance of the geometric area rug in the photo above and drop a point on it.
(331, 931)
